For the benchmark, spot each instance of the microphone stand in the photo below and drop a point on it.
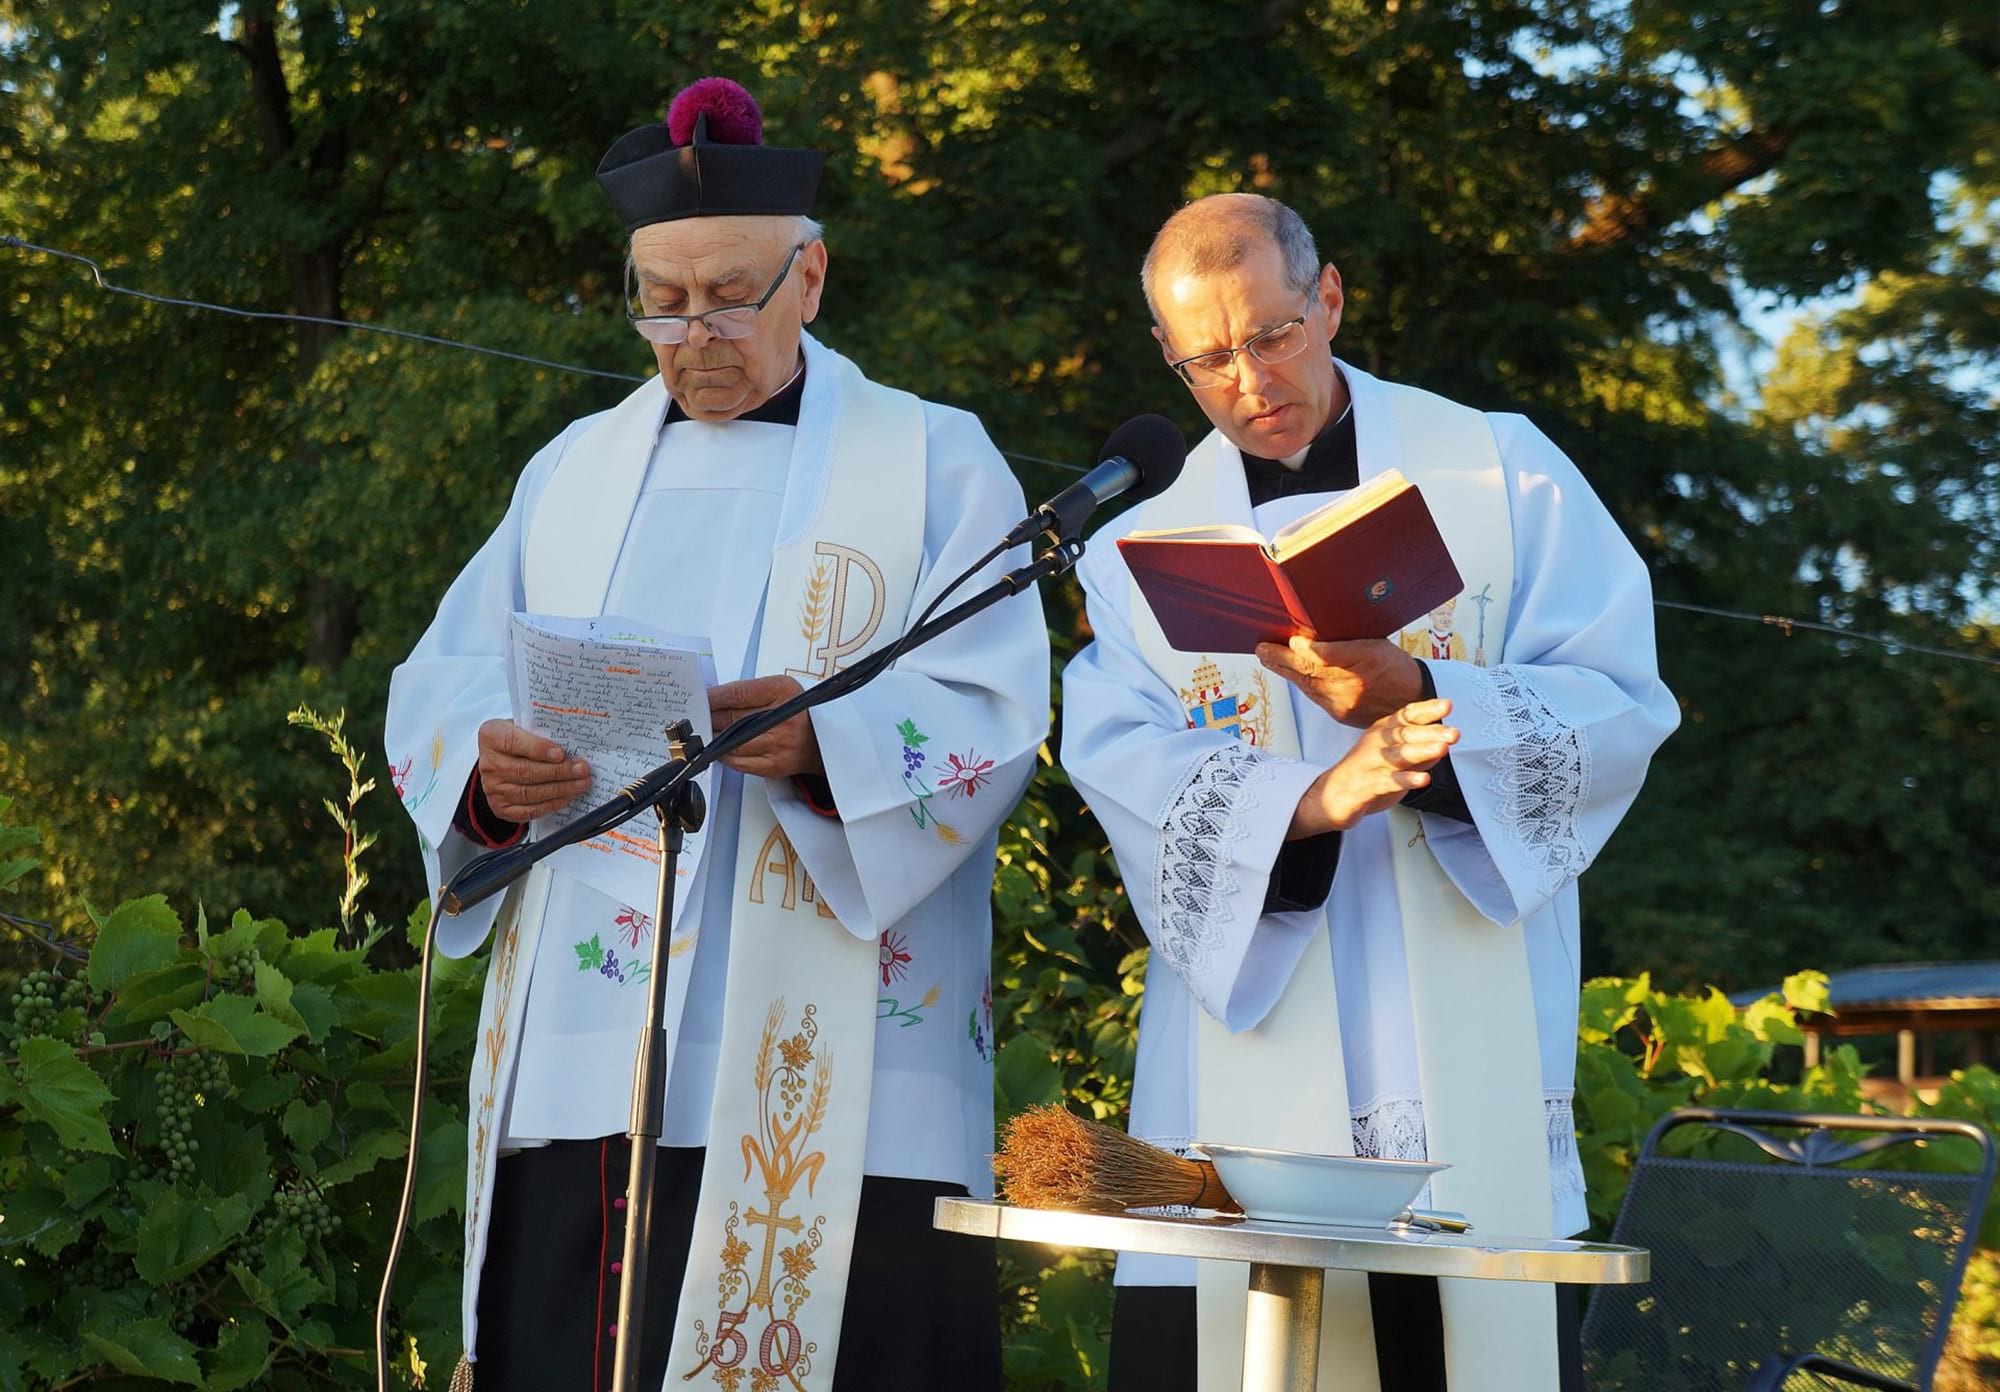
(670, 790)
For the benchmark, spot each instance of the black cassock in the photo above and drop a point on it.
(922, 1308)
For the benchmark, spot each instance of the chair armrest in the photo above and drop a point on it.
(1773, 1372)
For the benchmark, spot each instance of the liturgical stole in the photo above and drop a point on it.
(1478, 1057)
(787, 1132)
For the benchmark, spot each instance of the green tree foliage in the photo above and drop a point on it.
(1545, 205)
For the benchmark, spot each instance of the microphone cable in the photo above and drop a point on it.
(408, 1200)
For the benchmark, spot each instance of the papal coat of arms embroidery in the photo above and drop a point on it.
(1244, 714)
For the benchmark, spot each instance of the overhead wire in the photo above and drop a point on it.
(1783, 623)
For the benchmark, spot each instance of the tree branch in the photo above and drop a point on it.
(270, 97)
(1146, 132)
(1624, 217)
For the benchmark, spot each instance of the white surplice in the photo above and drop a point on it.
(1554, 746)
(924, 763)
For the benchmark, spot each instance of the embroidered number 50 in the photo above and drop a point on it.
(790, 1347)
(726, 1333)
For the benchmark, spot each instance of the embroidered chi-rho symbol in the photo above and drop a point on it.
(1241, 714)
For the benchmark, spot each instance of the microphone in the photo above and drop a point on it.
(1141, 458)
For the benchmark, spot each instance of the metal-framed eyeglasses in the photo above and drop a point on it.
(1207, 371)
(733, 321)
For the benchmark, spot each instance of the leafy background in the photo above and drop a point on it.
(1591, 212)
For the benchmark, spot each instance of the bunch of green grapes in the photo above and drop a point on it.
(41, 997)
(299, 1209)
(238, 966)
(185, 1297)
(183, 1082)
(37, 1000)
(97, 1267)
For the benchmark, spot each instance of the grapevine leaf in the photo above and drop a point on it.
(151, 995)
(370, 1149)
(441, 1171)
(234, 1025)
(307, 1125)
(280, 1286)
(85, 1181)
(62, 1090)
(38, 1218)
(314, 1006)
(141, 935)
(180, 1233)
(274, 994)
(147, 1348)
(240, 1356)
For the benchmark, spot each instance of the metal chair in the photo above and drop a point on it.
(1780, 1263)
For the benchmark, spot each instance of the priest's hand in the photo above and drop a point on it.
(525, 776)
(1357, 683)
(1391, 758)
(789, 750)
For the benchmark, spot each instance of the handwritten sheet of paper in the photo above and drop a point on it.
(606, 689)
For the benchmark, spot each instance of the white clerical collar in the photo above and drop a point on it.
(1297, 460)
(781, 407)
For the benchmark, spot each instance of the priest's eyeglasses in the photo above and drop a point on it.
(1207, 371)
(736, 321)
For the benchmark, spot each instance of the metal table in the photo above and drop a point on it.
(1288, 1261)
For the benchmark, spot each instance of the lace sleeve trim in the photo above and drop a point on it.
(1203, 819)
(1541, 777)
(1391, 1127)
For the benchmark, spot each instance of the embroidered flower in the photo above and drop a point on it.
(798, 1261)
(796, 1052)
(735, 1251)
(895, 959)
(913, 763)
(761, 1381)
(979, 1024)
(729, 1379)
(634, 924)
(967, 774)
(399, 774)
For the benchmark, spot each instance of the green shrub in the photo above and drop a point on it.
(200, 1143)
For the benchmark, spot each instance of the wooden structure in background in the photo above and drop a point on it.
(1915, 1002)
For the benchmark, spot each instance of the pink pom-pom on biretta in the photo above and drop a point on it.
(733, 117)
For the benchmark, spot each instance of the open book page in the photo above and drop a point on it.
(606, 689)
(1323, 522)
(1222, 531)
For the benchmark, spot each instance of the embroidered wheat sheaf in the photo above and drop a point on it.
(1541, 776)
(1204, 818)
(814, 607)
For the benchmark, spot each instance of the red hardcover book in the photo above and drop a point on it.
(1363, 566)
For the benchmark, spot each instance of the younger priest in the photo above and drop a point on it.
(1358, 867)
(829, 1001)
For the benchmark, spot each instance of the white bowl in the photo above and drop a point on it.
(1289, 1186)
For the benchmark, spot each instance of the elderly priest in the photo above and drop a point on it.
(829, 999)
(1357, 861)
